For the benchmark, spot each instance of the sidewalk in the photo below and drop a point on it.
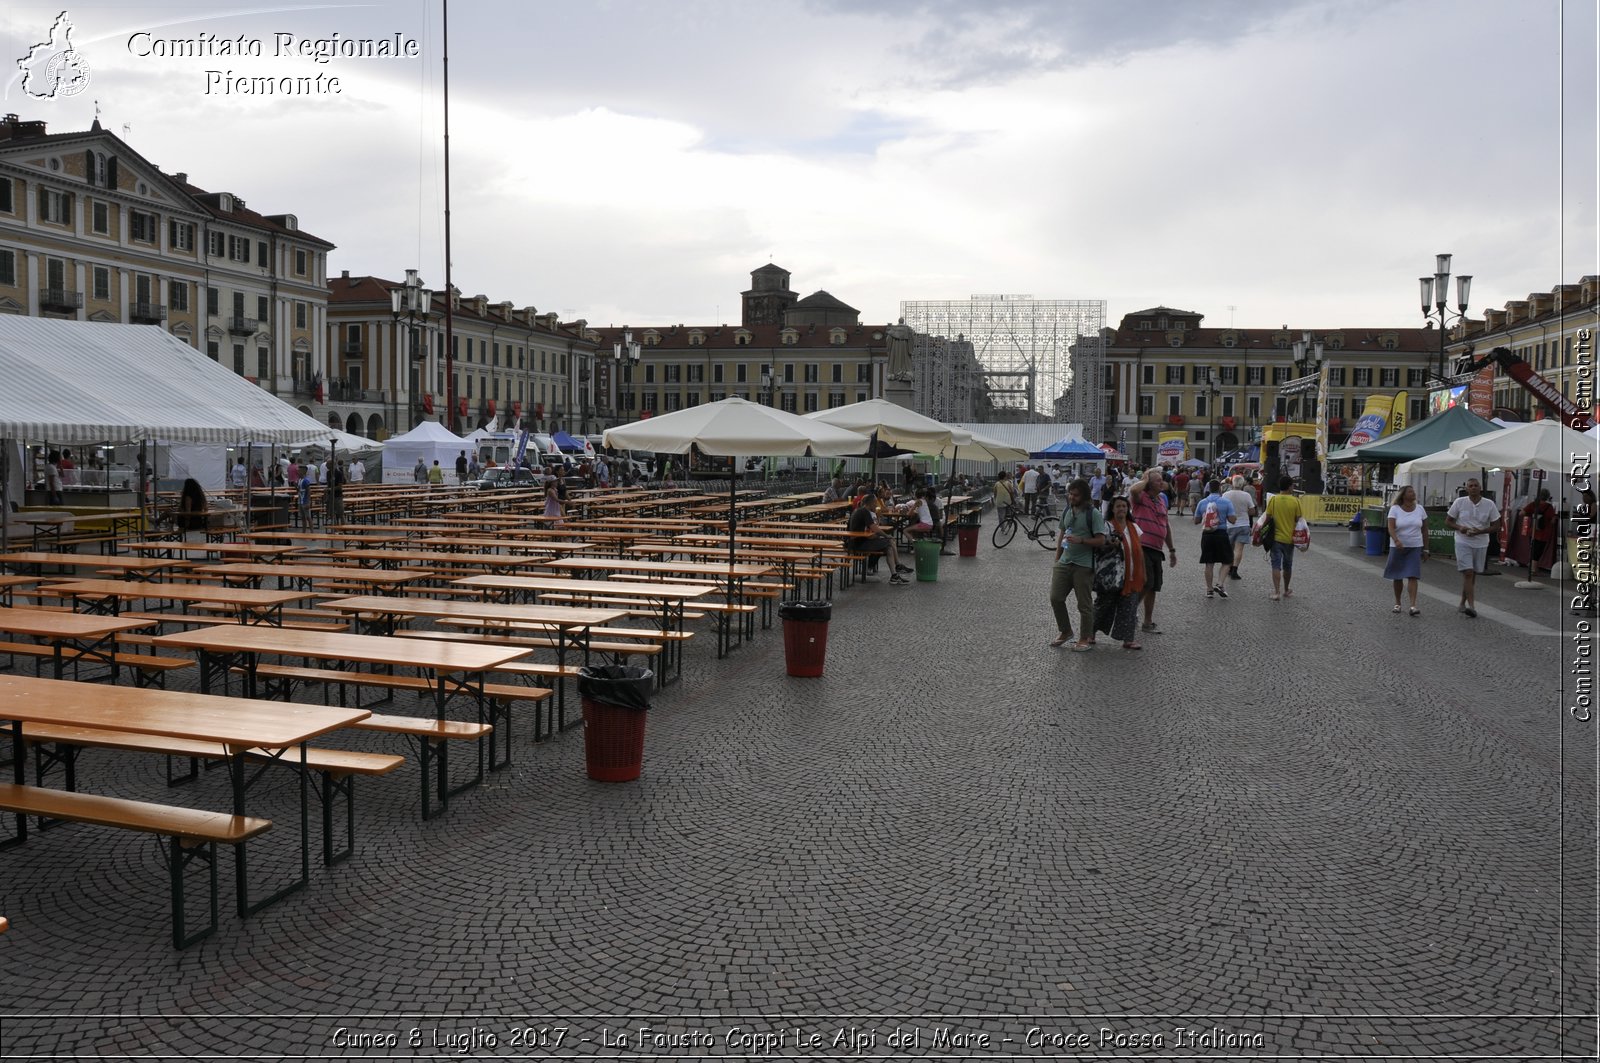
(1296, 828)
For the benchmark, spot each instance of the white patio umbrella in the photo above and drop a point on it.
(893, 424)
(1548, 445)
(732, 428)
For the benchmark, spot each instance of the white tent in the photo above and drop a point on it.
(734, 427)
(430, 441)
(84, 382)
(1548, 445)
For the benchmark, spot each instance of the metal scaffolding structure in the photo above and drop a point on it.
(946, 378)
(1027, 351)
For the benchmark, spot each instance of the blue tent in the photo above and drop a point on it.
(1070, 450)
(567, 443)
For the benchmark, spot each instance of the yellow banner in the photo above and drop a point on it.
(1172, 448)
(1397, 418)
(1373, 422)
(1322, 410)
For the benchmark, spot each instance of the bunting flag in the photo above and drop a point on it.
(1397, 416)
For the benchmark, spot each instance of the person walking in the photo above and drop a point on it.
(1149, 506)
(303, 497)
(1030, 487)
(192, 511)
(333, 495)
(461, 467)
(1408, 528)
(1283, 509)
(1180, 489)
(52, 479)
(1117, 612)
(1470, 517)
(1541, 517)
(435, 474)
(1197, 487)
(1005, 492)
(1214, 513)
(552, 499)
(1083, 531)
(420, 473)
(1244, 513)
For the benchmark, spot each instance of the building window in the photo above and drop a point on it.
(1175, 405)
(811, 371)
(1254, 374)
(1414, 378)
(788, 372)
(863, 374)
(741, 339)
(214, 244)
(102, 283)
(835, 399)
(55, 206)
(838, 373)
(180, 235)
(697, 375)
(861, 396)
(262, 313)
(1419, 409)
(718, 396)
(1336, 408)
(143, 226)
(716, 375)
(788, 402)
(1229, 374)
(261, 254)
(1389, 378)
(211, 301)
(238, 358)
(672, 401)
(299, 315)
(740, 374)
(100, 217)
(300, 263)
(1336, 376)
(1149, 374)
(1253, 406)
(1200, 405)
(1227, 405)
(8, 205)
(649, 374)
(263, 364)
(837, 337)
(672, 374)
(1174, 374)
(691, 398)
(811, 402)
(213, 351)
(697, 339)
(790, 339)
(178, 296)
(1363, 378)
(1147, 405)
(1280, 374)
(495, 355)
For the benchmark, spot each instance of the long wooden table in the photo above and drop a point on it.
(305, 576)
(140, 568)
(86, 636)
(105, 596)
(734, 575)
(456, 668)
(234, 723)
(248, 551)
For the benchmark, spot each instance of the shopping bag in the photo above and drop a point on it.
(1211, 520)
(1261, 531)
(1302, 535)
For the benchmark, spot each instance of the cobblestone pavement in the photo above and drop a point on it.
(1294, 829)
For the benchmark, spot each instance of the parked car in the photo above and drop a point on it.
(504, 477)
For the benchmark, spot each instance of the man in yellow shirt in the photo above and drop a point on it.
(1284, 509)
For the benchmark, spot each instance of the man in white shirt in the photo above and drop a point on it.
(1030, 488)
(240, 475)
(1244, 512)
(1097, 486)
(1471, 516)
(358, 471)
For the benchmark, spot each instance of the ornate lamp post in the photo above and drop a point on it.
(1436, 290)
(627, 354)
(1214, 388)
(414, 304)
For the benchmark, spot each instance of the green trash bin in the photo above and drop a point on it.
(927, 561)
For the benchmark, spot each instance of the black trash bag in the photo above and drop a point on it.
(806, 612)
(622, 685)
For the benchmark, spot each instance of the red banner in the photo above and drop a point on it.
(516, 409)
(427, 404)
(538, 410)
(645, 415)
(461, 407)
(1480, 393)
(491, 407)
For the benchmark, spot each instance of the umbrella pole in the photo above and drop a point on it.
(733, 497)
(949, 493)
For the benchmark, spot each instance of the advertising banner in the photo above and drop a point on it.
(1172, 448)
(1373, 420)
(1322, 409)
(1480, 393)
(1397, 417)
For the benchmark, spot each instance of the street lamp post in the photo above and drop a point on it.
(414, 304)
(769, 383)
(627, 354)
(1436, 291)
(1215, 390)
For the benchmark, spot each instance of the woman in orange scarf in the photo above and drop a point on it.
(1117, 612)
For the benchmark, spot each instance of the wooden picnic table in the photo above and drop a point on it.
(393, 559)
(734, 575)
(173, 548)
(306, 575)
(234, 723)
(137, 568)
(105, 596)
(87, 637)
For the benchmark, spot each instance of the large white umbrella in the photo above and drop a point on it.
(1548, 445)
(894, 424)
(732, 428)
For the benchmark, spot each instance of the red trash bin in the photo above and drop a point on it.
(805, 636)
(967, 535)
(615, 700)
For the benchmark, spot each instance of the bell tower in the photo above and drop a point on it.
(769, 296)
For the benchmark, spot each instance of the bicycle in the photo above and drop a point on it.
(1041, 527)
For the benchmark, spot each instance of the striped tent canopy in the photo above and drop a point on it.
(85, 382)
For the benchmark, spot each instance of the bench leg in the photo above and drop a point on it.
(331, 791)
(498, 715)
(179, 857)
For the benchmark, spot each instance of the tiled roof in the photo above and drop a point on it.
(822, 300)
(244, 215)
(368, 289)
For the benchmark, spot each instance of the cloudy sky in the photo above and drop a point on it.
(630, 161)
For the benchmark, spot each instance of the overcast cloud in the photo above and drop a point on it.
(630, 161)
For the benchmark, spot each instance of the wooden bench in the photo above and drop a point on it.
(337, 768)
(498, 699)
(431, 738)
(149, 670)
(194, 835)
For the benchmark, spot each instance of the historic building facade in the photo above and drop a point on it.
(92, 231)
(1552, 331)
(798, 354)
(1166, 372)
